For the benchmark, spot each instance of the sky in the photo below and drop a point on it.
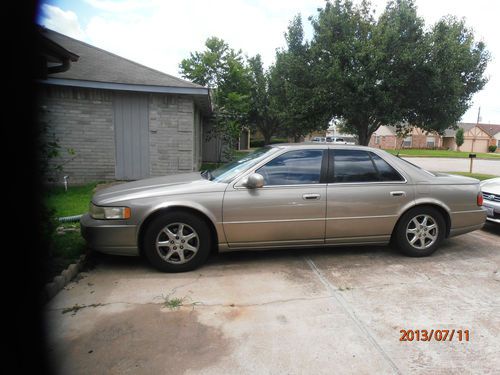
(160, 33)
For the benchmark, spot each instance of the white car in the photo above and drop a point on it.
(491, 198)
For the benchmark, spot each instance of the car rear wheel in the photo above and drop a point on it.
(177, 242)
(420, 231)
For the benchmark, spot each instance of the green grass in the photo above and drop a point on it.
(75, 201)
(479, 176)
(67, 244)
(443, 153)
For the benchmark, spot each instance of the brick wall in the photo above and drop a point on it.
(171, 123)
(82, 120)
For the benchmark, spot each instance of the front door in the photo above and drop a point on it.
(365, 197)
(289, 209)
(131, 120)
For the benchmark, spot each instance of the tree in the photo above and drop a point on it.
(459, 137)
(223, 70)
(391, 71)
(293, 87)
(262, 115)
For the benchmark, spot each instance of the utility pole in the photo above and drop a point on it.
(478, 113)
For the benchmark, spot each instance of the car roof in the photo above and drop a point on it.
(321, 145)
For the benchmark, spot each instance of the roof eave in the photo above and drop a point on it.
(198, 91)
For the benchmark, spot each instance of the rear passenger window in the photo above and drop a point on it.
(353, 166)
(386, 172)
(362, 166)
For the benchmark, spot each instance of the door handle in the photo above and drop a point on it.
(309, 197)
(398, 193)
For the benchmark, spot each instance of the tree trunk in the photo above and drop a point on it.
(363, 137)
(267, 139)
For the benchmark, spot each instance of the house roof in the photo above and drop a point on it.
(466, 126)
(100, 69)
(98, 65)
(490, 129)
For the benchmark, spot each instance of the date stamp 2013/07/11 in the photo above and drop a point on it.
(434, 335)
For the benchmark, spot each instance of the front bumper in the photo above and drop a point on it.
(110, 236)
(493, 208)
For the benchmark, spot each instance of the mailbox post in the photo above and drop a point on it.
(471, 157)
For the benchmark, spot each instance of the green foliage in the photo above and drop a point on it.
(261, 143)
(224, 71)
(492, 148)
(392, 71)
(75, 201)
(294, 96)
(262, 114)
(459, 137)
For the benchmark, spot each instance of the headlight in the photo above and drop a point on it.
(102, 213)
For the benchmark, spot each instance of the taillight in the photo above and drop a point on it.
(479, 199)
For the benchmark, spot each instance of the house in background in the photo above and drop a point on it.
(124, 120)
(386, 137)
(477, 137)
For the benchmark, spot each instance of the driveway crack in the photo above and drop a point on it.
(334, 293)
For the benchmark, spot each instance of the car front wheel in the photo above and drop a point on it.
(177, 242)
(420, 231)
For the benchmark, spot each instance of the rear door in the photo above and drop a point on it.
(289, 209)
(365, 195)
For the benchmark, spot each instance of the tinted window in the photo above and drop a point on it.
(386, 172)
(294, 167)
(353, 166)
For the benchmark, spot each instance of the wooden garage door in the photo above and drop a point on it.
(131, 120)
(480, 145)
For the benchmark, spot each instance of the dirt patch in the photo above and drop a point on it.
(146, 339)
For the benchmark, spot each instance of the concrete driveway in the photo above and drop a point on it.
(327, 311)
(485, 166)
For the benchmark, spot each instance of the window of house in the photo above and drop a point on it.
(431, 142)
(407, 142)
(292, 168)
(498, 143)
(377, 139)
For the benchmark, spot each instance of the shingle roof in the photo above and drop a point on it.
(464, 125)
(490, 129)
(98, 65)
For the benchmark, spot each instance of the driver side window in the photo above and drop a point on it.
(293, 168)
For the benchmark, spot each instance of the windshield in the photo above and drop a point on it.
(230, 170)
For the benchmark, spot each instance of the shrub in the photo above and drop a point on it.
(260, 142)
(492, 148)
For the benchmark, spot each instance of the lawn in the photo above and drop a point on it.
(66, 243)
(443, 154)
(75, 201)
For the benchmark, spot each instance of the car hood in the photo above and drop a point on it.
(491, 186)
(185, 183)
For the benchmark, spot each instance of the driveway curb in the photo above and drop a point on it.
(60, 281)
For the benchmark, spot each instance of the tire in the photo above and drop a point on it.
(425, 227)
(169, 251)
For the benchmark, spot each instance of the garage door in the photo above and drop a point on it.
(480, 145)
(467, 146)
(131, 135)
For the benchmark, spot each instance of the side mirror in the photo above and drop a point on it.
(254, 181)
